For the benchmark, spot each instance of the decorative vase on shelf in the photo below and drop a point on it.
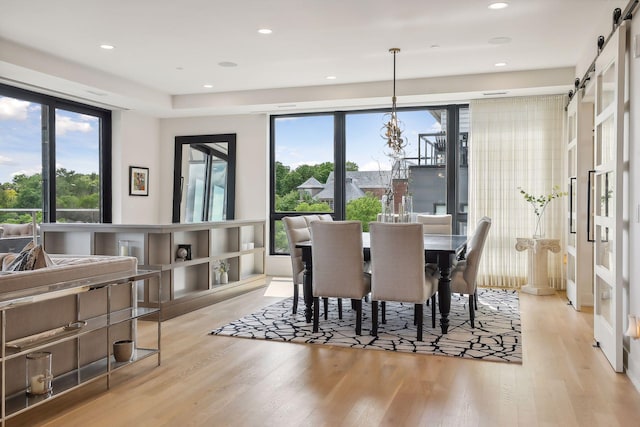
(224, 278)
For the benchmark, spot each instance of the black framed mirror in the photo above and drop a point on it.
(204, 178)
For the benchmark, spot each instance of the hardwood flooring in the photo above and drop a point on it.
(221, 381)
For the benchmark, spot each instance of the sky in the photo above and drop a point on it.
(309, 139)
(77, 140)
(300, 140)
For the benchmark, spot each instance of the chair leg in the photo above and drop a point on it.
(358, 304)
(384, 312)
(418, 318)
(374, 318)
(340, 308)
(326, 308)
(295, 298)
(475, 298)
(433, 311)
(471, 311)
(316, 313)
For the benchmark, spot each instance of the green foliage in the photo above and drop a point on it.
(364, 209)
(289, 201)
(351, 166)
(313, 207)
(73, 191)
(540, 203)
(281, 244)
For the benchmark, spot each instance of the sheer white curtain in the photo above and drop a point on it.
(516, 142)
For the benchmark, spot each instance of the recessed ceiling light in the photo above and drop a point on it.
(107, 46)
(498, 5)
(208, 86)
(500, 64)
(227, 64)
(179, 68)
(500, 40)
(265, 31)
(331, 77)
(435, 46)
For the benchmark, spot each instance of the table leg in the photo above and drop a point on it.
(307, 290)
(444, 290)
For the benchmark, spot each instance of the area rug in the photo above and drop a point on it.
(496, 336)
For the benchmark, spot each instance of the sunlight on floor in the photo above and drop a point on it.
(279, 287)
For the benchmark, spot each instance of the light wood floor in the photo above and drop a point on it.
(220, 381)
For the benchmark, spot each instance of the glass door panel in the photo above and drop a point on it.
(609, 159)
(303, 169)
(20, 159)
(77, 167)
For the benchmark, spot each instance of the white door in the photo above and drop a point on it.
(608, 162)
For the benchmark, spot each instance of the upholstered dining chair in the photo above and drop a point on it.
(398, 270)
(465, 273)
(297, 230)
(435, 224)
(338, 265)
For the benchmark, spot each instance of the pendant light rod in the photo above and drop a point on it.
(394, 50)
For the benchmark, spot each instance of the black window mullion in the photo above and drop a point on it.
(452, 169)
(51, 165)
(339, 167)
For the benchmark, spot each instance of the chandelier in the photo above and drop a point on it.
(392, 129)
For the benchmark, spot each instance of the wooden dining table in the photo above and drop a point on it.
(439, 246)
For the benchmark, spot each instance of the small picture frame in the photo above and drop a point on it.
(186, 253)
(138, 181)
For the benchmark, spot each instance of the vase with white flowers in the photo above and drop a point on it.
(539, 204)
(223, 269)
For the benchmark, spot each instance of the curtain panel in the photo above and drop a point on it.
(517, 142)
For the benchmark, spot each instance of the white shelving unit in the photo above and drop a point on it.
(186, 285)
(103, 310)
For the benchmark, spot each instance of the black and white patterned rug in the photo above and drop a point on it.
(496, 337)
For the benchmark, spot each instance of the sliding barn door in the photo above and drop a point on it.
(608, 215)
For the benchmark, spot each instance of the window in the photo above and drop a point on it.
(338, 162)
(56, 159)
(303, 169)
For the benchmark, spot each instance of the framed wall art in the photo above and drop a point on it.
(138, 181)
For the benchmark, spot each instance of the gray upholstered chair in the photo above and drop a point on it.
(338, 263)
(297, 231)
(435, 224)
(464, 274)
(398, 270)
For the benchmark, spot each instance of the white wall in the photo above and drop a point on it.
(135, 143)
(251, 159)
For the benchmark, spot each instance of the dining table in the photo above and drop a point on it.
(441, 247)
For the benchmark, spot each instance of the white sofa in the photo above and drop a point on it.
(66, 268)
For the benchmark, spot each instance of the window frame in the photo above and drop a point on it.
(340, 145)
(49, 105)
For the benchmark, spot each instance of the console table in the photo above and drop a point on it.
(537, 271)
(76, 322)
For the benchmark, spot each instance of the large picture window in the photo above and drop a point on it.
(339, 163)
(55, 159)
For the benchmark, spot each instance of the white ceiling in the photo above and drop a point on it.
(167, 49)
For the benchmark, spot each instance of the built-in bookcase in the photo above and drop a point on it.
(188, 283)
